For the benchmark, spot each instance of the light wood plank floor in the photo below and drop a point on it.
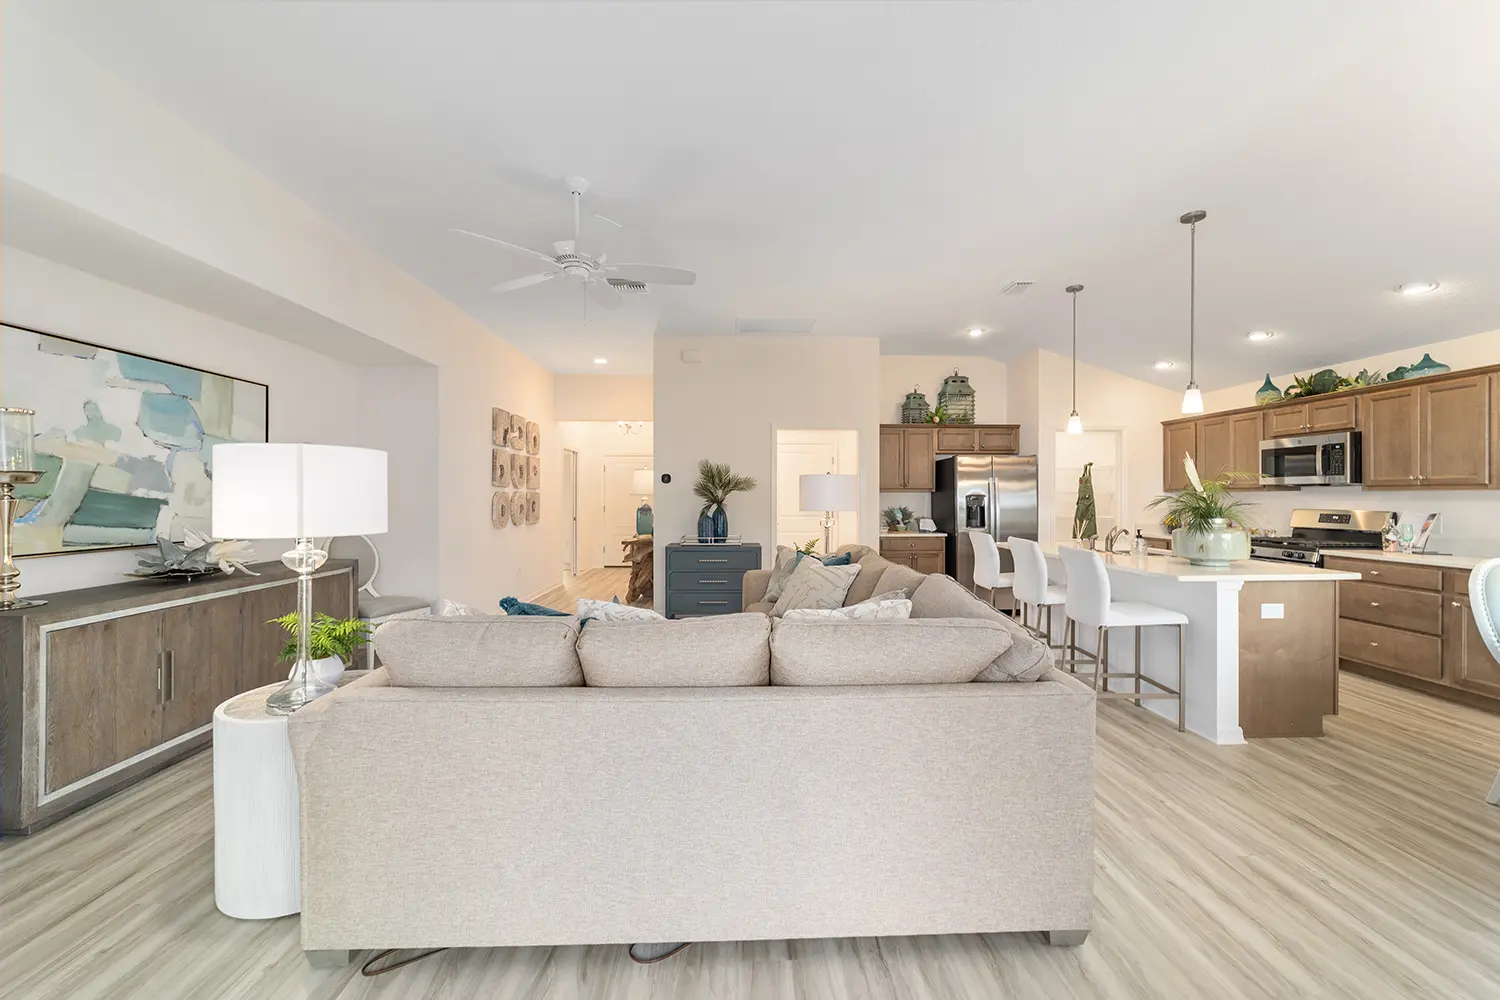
(1365, 864)
(600, 584)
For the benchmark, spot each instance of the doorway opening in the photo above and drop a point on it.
(1075, 451)
(608, 454)
(570, 499)
(800, 453)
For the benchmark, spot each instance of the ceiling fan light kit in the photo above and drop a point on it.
(600, 280)
(1192, 396)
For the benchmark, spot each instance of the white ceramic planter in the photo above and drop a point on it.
(329, 669)
(1218, 547)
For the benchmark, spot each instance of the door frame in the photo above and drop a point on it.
(854, 456)
(570, 497)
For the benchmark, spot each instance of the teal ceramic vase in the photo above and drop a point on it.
(721, 524)
(705, 526)
(1267, 393)
(1426, 367)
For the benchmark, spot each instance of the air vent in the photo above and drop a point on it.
(628, 287)
(1016, 288)
(792, 324)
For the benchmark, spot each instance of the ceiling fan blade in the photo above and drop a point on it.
(652, 274)
(526, 282)
(605, 295)
(612, 222)
(491, 239)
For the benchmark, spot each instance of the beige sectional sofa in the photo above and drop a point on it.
(446, 803)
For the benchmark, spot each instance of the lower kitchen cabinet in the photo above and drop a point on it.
(1467, 662)
(923, 553)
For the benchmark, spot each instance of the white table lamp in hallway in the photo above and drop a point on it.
(829, 492)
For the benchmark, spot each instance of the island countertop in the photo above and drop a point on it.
(1242, 571)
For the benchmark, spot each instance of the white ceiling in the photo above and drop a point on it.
(886, 168)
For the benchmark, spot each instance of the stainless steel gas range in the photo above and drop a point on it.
(1318, 532)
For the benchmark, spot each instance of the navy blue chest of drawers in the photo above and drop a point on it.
(707, 579)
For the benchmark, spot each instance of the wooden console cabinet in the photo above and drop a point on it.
(102, 686)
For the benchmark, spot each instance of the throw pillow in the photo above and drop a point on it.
(715, 651)
(871, 567)
(943, 597)
(480, 651)
(516, 606)
(453, 609)
(781, 571)
(613, 611)
(899, 577)
(912, 651)
(813, 585)
(872, 610)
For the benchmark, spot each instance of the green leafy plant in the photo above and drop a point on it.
(940, 415)
(716, 482)
(1206, 501)
(1320, 383)
(895, 518)
(809, 548)
(329, 636)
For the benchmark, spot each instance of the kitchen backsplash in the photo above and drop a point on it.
(918, 503)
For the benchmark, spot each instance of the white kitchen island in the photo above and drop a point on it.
(1262, 656)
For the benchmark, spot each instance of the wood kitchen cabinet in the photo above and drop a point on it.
(1391, 437)
(1432, 434)
(908, 452)
(983, 439)
(923, 553)
(1467, 662)
(1215, 451)
(957, 440)
(1179, 438)
(1315, 416)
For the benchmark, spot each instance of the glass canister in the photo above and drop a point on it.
(915, 410)
(957, 398)
(16, 440)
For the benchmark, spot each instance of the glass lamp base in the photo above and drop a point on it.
(302, 687)
(16, 605)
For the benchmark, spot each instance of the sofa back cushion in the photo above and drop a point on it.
(716, 651)
(872, 566)
(930, 651)
(899, 577)
(480, 651)
(942, 597)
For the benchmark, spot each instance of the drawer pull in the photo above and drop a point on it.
(1374, 572)
(1374, 604)
(1374, 643)
(712, 560)
(713, 602)
(713, 581)
(1457, 605)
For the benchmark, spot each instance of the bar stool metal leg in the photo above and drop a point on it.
(1138, 632)
(1181, 678)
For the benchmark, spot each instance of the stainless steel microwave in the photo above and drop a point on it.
(1312, 460)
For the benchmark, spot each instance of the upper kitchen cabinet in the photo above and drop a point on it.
(908, 459)
(999, 439)
(1434, 434)
(1317, 415)
(1215, 452)
(983, 439)
(1178, 439)
(1391, 437)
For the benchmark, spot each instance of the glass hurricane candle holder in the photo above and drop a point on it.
(17, 468)
(16, 453)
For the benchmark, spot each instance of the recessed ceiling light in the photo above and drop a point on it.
(976, 331)
(1162, 366)
(1260, 334)
(601, 361)
(1417, 287)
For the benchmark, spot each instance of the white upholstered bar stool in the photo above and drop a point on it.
(1031, 588)
(1089, 605)
(1484, 605)
(987, 567)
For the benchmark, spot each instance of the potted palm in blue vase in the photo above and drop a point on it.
(714, 486)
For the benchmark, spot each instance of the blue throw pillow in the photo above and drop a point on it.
(841, 560)
(512, 606)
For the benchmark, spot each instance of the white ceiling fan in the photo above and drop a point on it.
(602, 281)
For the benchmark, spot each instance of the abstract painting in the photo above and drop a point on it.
(124, 442)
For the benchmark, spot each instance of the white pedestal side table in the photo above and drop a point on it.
(257, 850)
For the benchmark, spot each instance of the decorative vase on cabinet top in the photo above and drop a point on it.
(1267, 393)
(721, 524)
(1217, 547)
(1426, 367)
(705, 526)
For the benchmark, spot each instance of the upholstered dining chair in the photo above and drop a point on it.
(987, 567)
(1484, 602)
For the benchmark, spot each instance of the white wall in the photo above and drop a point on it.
(176, 188)
(595, 441)
(603, 397)
(727, 407)
(312, 397)
(899, 372)
(1468, 525)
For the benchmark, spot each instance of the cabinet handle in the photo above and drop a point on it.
(1374, 604)
(1457, 605)
(1374, 572)
(713, 602)
(713, 581)
(1374, 643)
(713, 560)
(161, 677)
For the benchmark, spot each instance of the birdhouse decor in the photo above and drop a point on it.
(915, 410)
(957, 398)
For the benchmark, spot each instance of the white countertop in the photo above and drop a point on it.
(1412, 559)
(912, 534)
(1245, 571)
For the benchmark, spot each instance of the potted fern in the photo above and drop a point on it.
(331, 642)
(714, 486)
(1208, 526)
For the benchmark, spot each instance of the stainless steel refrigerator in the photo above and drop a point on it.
(992, 493)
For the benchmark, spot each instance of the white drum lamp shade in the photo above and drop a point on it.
(641, 482)
(297, 491)
(828, 491)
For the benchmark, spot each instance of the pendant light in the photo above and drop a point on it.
(1075, 422)
(1192, 397)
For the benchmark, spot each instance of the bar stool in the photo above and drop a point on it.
(1031, 589)
(1088, 604)
(987, 567)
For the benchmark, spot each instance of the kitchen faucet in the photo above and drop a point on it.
(1115, 534)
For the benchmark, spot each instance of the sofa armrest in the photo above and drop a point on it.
(754, 587)
(304, 725)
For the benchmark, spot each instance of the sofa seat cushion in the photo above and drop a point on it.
(714, 651)
(480, 651)
(908, 651)
(943, 597)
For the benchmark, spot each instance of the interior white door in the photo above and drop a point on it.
(620, 504)
(794, 460)
(570, 499)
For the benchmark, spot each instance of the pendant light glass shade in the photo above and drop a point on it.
(1075, 422)
(1192, 398)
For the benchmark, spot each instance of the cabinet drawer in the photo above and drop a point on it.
(701, 603)
(1391, 573)
(1398, 607)
(1405, 652)
(916, 543)
(956, 440)
(706, 557)
(1000, 440)
(706, 580)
